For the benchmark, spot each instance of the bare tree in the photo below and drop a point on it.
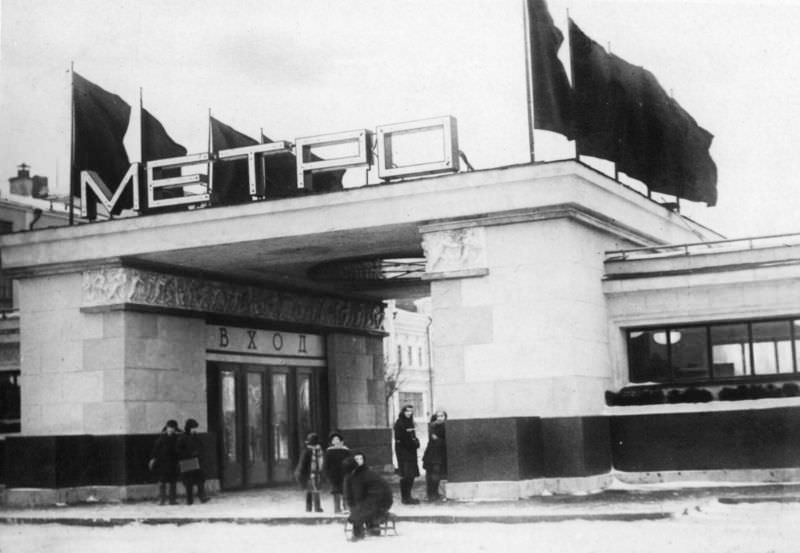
(394, 379)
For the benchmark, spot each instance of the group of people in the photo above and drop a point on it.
(366, 495)
(176, 455)
(434, 460)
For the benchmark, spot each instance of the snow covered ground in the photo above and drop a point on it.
(707, 528)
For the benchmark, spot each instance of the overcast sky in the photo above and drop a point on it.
(299, 68)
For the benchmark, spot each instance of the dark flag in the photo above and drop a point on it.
(596, 98)
(282, 175)
(623, 114)
(100, 120)
(157, 144)
(231, 182)
(552, 109)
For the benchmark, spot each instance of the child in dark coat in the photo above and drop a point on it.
(434, 461)
(190, 449)
(309, 471)
(164, 462)
(368, 495)
(335, 455)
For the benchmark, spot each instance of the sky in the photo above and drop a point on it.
(303, 68)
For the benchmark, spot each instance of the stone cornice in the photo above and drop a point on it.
(576, 212)
(109, 287)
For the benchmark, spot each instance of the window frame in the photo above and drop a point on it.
(751, 375)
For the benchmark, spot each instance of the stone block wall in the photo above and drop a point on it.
(528, 337)
(355, 380)
(104, 372)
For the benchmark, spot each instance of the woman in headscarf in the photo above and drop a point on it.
(405, 448)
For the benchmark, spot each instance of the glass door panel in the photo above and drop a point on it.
(256, 461)
(279, 418)
(231, 465)
(305, 420)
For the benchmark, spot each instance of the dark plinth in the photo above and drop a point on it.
(86, 460)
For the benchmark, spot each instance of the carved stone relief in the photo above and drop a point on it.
(123, 285)
(455, 250)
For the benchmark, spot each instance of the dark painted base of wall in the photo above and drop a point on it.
(86, 460)
(522, 448)
(718, 440)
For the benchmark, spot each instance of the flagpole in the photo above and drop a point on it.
(572, 82)
(568, 51)
(529, 78)
(210, 185)
(71, 141)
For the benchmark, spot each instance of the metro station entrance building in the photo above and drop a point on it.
(219, 314)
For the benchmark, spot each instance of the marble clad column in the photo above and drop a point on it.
(520, 347)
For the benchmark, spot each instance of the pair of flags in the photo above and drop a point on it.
(100, 121)
(617, 111)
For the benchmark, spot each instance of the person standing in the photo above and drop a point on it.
(406, 445)
(333, 461)
(369, 497)
(434, 461)
(309, 471)
(190, 456)
(164, 462)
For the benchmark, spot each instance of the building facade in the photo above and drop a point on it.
(24, 205)
(538, 338)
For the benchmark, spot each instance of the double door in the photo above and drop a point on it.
(261, 415)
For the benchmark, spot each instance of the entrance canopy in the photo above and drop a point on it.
(294, 243)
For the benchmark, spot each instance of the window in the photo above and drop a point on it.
(412, 398)
(400, 356)
(6, 227)
(714, 351)
(419, 357)
(410, 356)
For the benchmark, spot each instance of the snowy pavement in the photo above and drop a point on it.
(286, 506)
(714, 527)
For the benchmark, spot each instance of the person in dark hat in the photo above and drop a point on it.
(309, 471)
(406, 445)
(190, 458)
(434, 461)
(164, 462)
(335, 455)
(368, 495)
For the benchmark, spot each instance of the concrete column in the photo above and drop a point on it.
(357, 394)
(520, 346)
(108, 372)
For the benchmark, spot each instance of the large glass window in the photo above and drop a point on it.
(648, 356)
(737, 349)
(772, 347)
(688, 352)
(730, 350)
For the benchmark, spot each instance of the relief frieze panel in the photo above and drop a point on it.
(123, 285)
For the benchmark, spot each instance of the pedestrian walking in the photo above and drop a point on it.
(369, 497)
(406, 445)
(333, 462)
(434, 460)
(190, 462)
(164, 462)
(309, 472)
